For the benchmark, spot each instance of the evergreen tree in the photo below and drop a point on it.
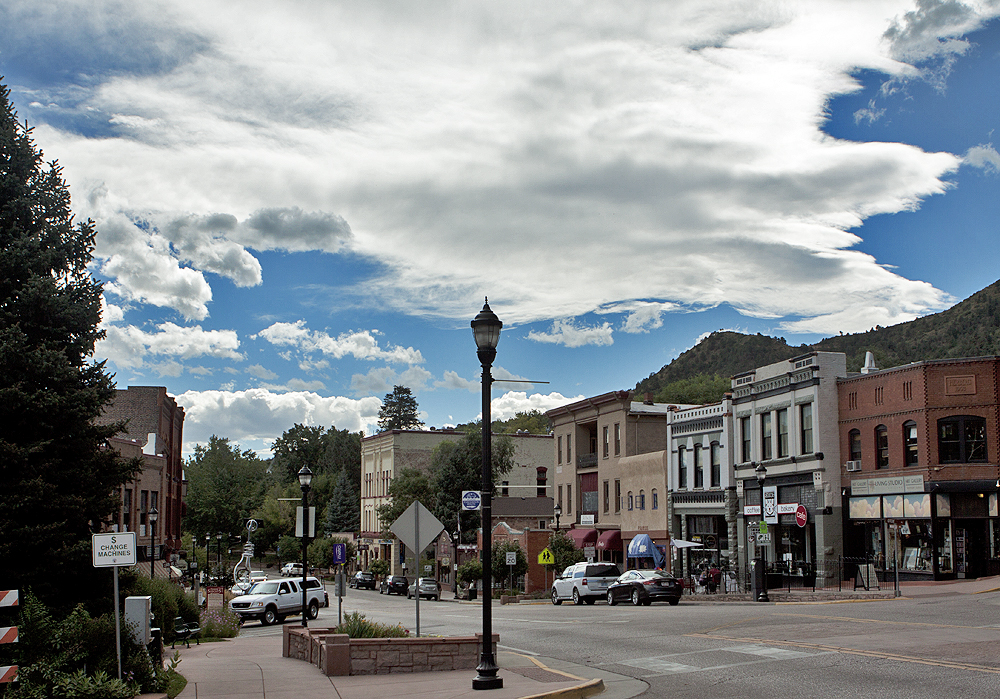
(61, 481)
(343, 514)
(399, 410)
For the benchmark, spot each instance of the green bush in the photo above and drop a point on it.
(357, 626)
(76, 657)
(219, 623)
(470, 571)
(169, 601)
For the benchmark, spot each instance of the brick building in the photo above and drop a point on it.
(921, 447)
(154, 431)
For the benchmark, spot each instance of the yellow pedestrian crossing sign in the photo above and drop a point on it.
(546, 558)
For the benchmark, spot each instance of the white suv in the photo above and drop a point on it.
(584, 582)
(272, 600)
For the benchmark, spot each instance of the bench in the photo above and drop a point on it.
(184, 631)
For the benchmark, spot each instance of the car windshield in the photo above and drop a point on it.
(654, 574)
(264, 588)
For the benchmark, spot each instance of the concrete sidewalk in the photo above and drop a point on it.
(253, 668)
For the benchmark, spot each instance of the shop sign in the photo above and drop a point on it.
(887, 485)
(801, 515)
(787, 508)
(770, 504)
(751, 510)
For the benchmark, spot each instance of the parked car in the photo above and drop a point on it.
(272, 600)
(362, 579)
(394, 585)
(290, 570)
(584, 582)
(645, 587)
(429, 588)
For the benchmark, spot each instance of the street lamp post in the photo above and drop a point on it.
(455, 536)
(305, 479)
(486, 330)
(761, 473)
(557, 510)
(153, 516)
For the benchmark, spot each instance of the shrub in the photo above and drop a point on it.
(357, 626)
(219, 623)
(75, 657)
(169, 600)
(470, 572)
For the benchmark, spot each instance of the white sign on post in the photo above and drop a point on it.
(471, 500)
(114, 549)
(512, 558)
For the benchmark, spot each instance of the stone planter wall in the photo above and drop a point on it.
(338, 654)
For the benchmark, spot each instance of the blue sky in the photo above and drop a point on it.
(302, 204)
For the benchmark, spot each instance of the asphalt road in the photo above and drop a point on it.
(939, 647)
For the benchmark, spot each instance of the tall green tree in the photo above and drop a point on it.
(564, 551)
(399, 410)
(410, 484)
(225, 487)
(60, 480)
(302, 445)
(457, 466)
(343, 514)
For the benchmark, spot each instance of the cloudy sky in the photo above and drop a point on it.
(301, 204)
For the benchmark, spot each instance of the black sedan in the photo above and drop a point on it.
(645, 587)
(362, 579)
(394, 585)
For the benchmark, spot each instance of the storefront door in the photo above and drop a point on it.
(971, 548)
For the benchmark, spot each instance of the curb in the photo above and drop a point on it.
(589, 688)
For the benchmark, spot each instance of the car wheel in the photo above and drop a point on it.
(270, 617)
(576, 597)
(674, 601)
(591, 600)
(636, 600)
(555, 597)
(611, 599)
(313, 609)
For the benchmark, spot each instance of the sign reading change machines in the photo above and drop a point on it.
(114, 549)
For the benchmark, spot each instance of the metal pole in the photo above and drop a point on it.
(118, 628)
(487, 678)
(305, 544)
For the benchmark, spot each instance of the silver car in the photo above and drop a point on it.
(429, 588)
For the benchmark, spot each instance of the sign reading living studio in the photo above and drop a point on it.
(887, 485)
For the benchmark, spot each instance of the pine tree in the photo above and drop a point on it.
(343, 514)
(399, 410)
(60, 478)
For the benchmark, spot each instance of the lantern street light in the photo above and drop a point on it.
(486, 330)
(557, 510)
(305, 479)
(761, 473)
(153, 516)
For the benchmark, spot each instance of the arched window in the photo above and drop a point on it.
(642, 499)
(881, 447)
(716, 464)
(682, 471)
(699, 468)
(854, 445)
(961, 439)
(630, 500)
(656, 502)
(910, 443)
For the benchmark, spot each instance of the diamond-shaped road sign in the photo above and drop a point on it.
(417, 527)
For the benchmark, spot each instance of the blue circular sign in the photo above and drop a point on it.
(471, 500)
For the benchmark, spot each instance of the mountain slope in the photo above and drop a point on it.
(968, 329)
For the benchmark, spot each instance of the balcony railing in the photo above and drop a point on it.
(586, 461)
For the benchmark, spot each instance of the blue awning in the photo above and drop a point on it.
(642, 546)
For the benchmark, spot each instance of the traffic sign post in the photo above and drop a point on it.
(114, 549)
(471, 500)
(417, 528)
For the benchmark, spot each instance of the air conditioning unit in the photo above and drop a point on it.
(853, 465)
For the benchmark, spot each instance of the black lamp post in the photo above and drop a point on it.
(557, 510)
(455, 536)
(486, 330)
(305, 479)
(153, 516)
(761, 477)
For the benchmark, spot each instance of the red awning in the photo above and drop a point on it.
(582, 537)
(611, 540)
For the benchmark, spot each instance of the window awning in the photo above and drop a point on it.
(611, 540)
(583, 537)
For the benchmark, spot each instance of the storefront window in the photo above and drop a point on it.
(915, 544)
(946, 559)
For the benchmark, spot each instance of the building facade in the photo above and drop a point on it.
(702, 505)
(385, 454)
(786, 423)
(921, 467)
(154, 431)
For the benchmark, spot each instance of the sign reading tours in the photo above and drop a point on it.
(114, 549)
